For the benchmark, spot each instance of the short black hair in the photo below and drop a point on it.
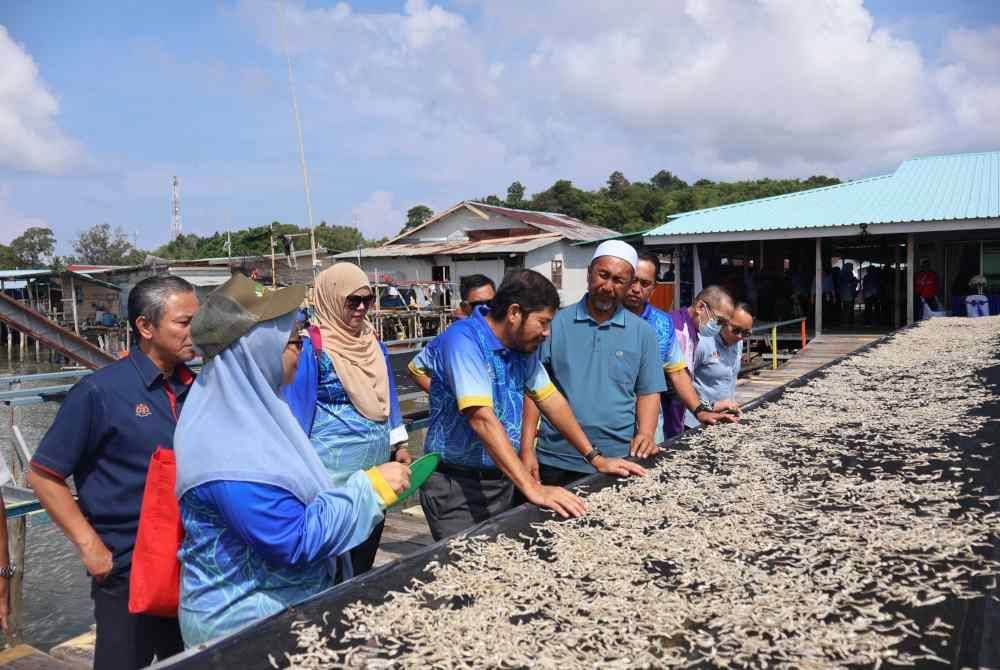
(148, 297)
(532, 291)
(650, 257)
(743, 307)
(470, 283)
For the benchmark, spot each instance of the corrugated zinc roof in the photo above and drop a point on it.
(499, 245)
(934, 188)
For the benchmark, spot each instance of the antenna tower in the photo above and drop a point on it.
(175, 210)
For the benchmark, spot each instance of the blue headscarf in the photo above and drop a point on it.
(235, 425)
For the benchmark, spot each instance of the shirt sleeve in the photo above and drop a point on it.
(650, 378)
(537, 383)
(466, 373)
(284, 531)
(418, 364)
(397, 431)
(675, 360)
(73, 434)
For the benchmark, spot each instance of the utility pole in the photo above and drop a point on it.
(274, 267)
(175, 216)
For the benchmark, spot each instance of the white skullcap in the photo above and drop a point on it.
(618, 249)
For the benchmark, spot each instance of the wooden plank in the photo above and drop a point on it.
(24, 657)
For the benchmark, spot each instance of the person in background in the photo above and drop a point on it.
(716, 365)
(606, 361)
(481, 368)
(848, 291)
(357, 423)
(104, 436)
(264, 525)
(927, 286)
(674, 365)
(709, 312)
(475, 290)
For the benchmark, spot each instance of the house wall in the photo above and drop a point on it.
(457, 223)
(575, 261)
(492, 268)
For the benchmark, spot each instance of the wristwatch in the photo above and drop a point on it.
(702, 407)
(592, 454)
(8, 570)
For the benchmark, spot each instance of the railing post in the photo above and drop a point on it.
(774, 347)
(803, 333)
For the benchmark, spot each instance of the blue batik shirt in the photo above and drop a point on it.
(345, 439)
(470, 367)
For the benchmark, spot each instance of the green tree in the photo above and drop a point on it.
(515, 195)
(417, 216)
(339, 238)
(34, 247)
(8, 259)
(617, 184)
(667, 181)
(100, 245)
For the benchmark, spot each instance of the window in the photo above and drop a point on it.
(441, 273)
(556, 274)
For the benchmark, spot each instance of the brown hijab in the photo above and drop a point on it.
(356, 355)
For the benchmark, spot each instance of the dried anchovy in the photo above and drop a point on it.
(800, 537)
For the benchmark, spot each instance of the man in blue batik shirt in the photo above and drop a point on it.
(480, 369)
(671, 356)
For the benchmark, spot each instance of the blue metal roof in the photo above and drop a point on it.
(934, 188)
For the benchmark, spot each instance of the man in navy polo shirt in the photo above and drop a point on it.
(104, 436)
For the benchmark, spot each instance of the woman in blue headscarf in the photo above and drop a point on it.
(264, 525)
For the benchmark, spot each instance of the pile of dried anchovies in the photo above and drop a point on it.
(820, 532)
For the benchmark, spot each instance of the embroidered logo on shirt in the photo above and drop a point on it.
(142, 409)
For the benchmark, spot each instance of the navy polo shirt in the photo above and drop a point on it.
(105, 434)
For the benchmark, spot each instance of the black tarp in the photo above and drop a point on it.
(975, 642)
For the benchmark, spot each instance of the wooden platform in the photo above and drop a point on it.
(818, 352)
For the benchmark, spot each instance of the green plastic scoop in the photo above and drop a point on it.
(420, 470)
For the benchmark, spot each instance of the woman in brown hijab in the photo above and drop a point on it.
(357, 420)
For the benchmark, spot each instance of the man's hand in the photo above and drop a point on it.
(557, 499)
(728, 407)
(4, 603)
(403, 455)
(618, 466)
(530, 461)
(712, 418)
(96, 558)
(396, 475)
(643, 446)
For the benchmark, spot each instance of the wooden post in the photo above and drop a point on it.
(17, 533)
(677, 278)
(774, 347)
(10, 344)
(818, 281)
(72, 291)
(910, 253)
(804, 340)
(22, 345)
(38, 351)
(897, 299)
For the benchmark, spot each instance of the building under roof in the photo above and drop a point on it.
(476, 238)
(940, 210)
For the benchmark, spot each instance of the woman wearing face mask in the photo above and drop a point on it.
(357, 422)
(711, 309)
(265, 527)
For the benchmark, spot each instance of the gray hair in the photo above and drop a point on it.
(715, 297)
(148, 298)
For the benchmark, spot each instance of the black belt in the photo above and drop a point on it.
(469, 473)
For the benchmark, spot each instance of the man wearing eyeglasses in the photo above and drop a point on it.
(675, 366)
(476, 291)
(716, 364)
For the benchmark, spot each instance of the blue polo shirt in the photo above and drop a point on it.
(715, 367)
(470, 367)
(105, 434)
(601, 368)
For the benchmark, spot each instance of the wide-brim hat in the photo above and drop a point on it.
(230, 311)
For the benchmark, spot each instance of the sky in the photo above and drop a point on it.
(422, 102)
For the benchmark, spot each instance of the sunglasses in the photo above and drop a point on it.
(476, 304)
(355, 301)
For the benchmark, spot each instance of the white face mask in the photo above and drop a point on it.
(711, 327)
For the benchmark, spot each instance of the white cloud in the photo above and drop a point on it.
(30, 139)
(13, 222)
(378, 216)
(566, 88)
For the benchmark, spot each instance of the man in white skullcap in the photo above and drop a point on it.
(606, 362)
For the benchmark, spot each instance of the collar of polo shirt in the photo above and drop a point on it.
(150, 374)
(583, 314)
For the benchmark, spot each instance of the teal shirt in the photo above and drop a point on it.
(601, 369)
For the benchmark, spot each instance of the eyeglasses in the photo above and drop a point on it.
(355, 301)
(739, 332)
